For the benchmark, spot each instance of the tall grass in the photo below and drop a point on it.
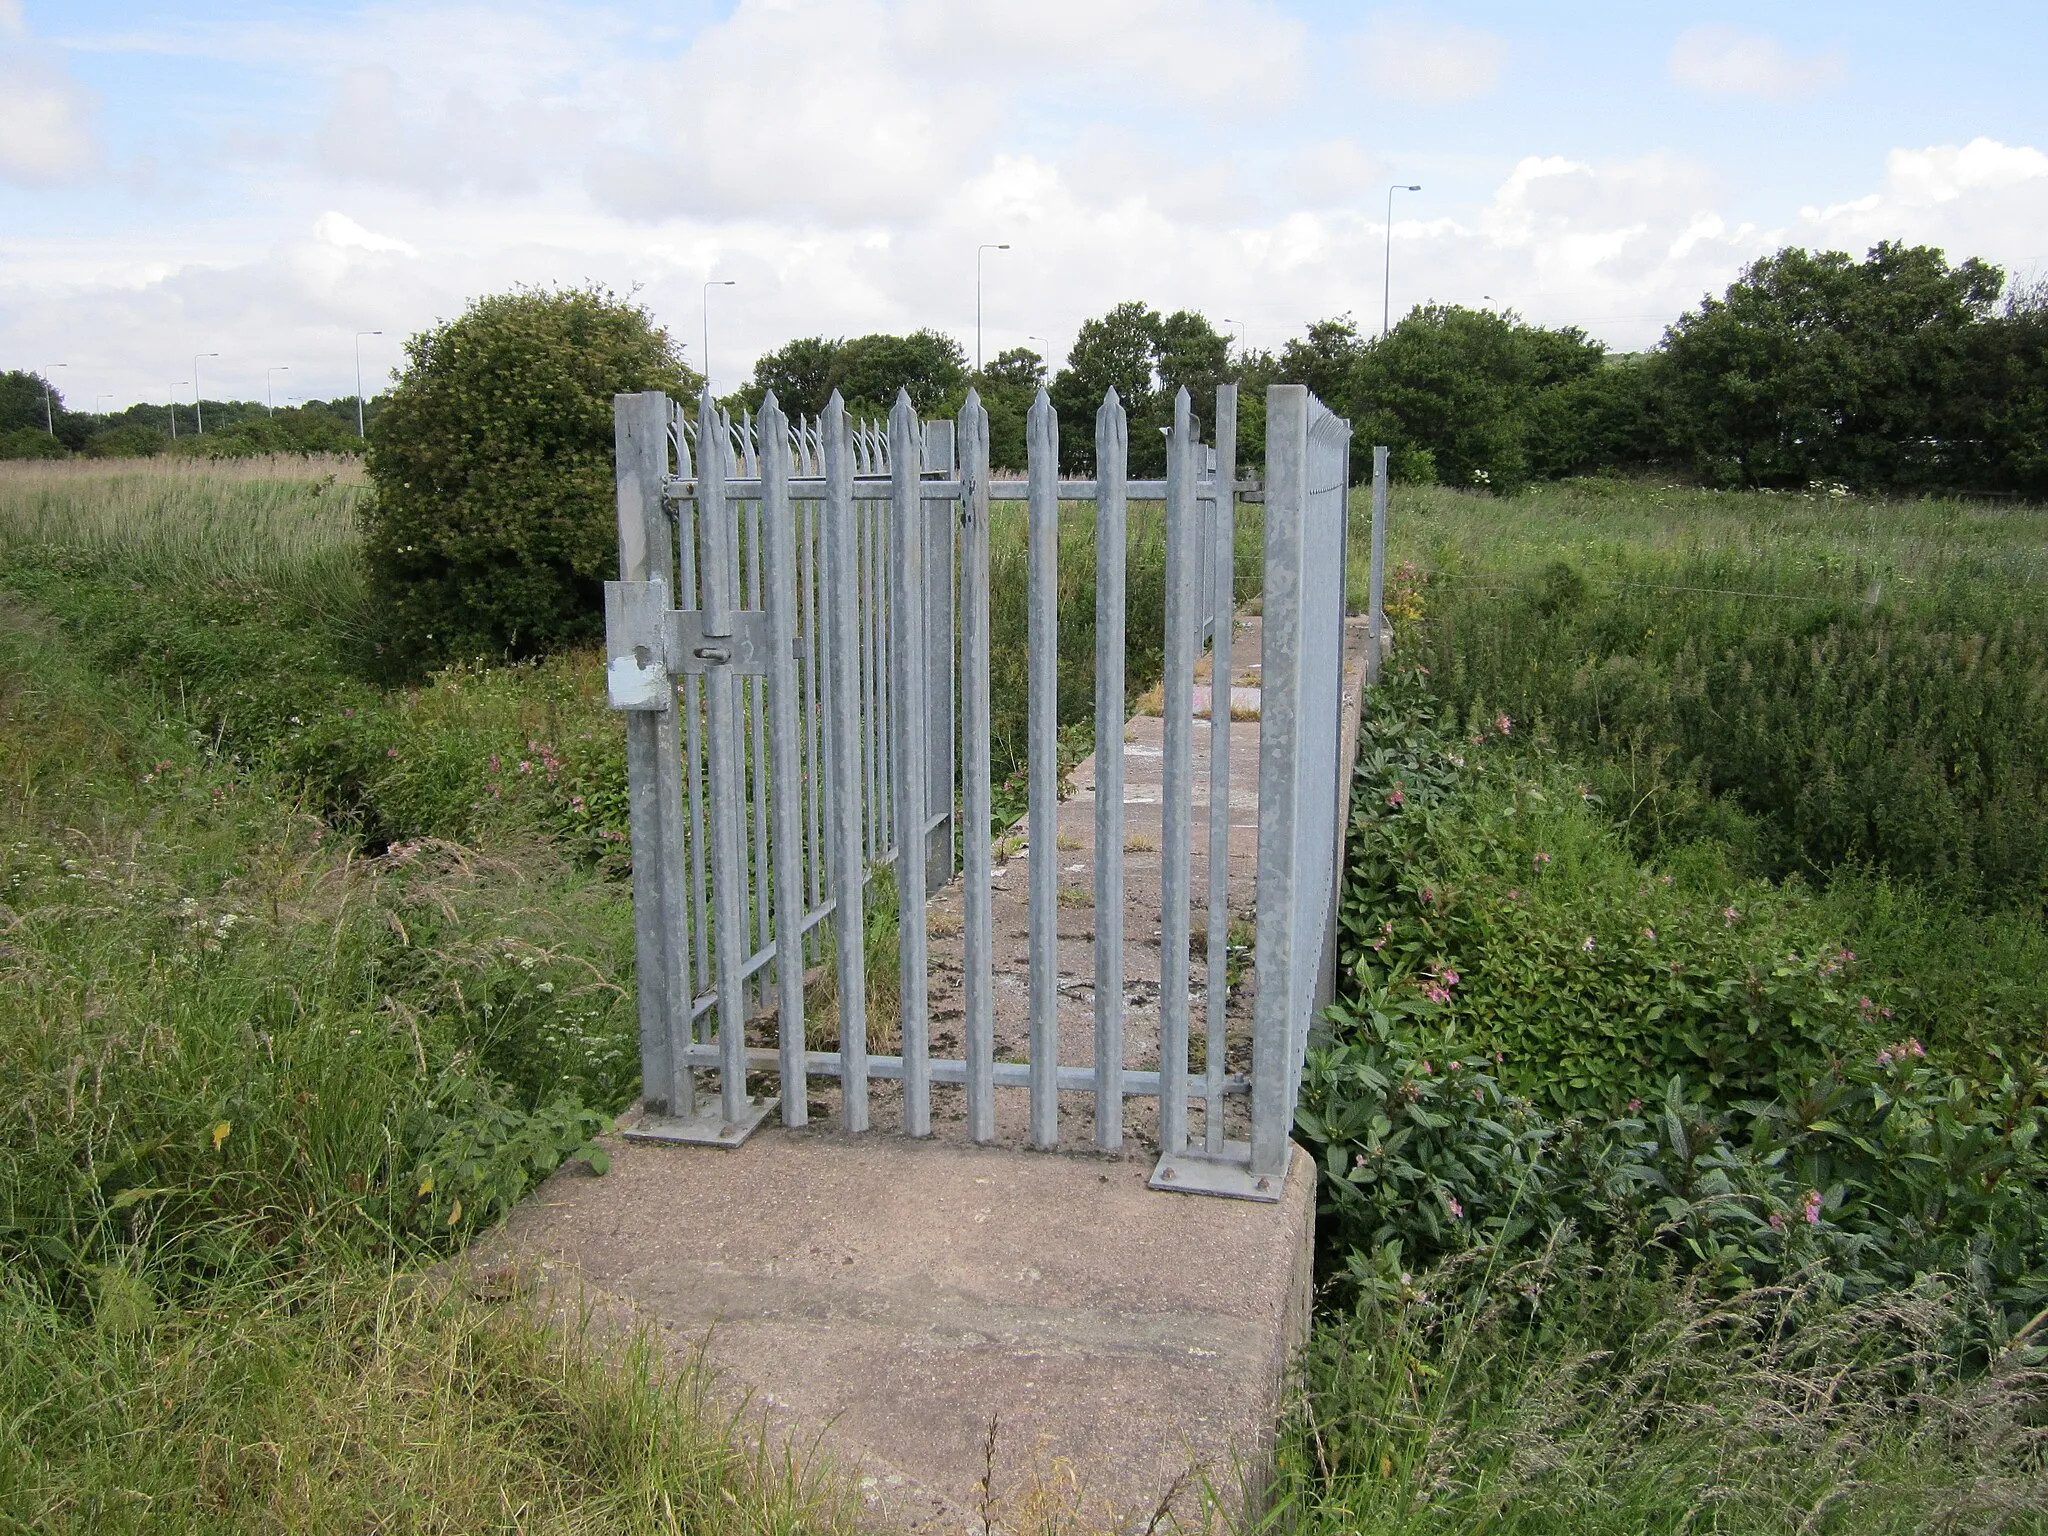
(1563, 1395)
(238, 1043)
(287, 520)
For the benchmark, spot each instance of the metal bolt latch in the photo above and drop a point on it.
(715, 654)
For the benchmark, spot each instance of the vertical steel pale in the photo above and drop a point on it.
(1376, 580)
(908, 698)
(978, 939)
(1183, 563)
(779, 534)
(1222, 602)
(718, 536)
(846, 803)
(1112, 471)
(1042, 643)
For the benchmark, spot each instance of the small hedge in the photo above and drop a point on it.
(494, 523)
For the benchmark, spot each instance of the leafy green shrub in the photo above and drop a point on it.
(1878, 1174)
(133, 441)
(31, 443)
(494, 523)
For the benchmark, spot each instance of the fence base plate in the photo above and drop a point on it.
(706, 1128)
(1228, 1173)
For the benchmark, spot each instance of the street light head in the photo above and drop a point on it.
(1003, 247)
(1414, 189)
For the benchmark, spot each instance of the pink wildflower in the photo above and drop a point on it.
(391, 751)
(1730, 915)
(1425, 1068)
(1588, 945)
(495, 764)
(1634, 1105)
(1650, 934)
(1777, 1222)
(1504, 725)
(1812, 1210)
(1514, 893)
(1451, 1204)
(1448, 977)
(1542, 860)
(1394, 795)
(525, 766)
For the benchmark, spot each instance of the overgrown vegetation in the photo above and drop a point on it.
(1654, 1099)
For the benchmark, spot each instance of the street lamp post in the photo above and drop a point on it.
(977, 299)
(1387, 271)
(199, 410)
(96, 399)
(705, 304)
(269, 404)
(174, 407)
(49, 419)
(359, 379)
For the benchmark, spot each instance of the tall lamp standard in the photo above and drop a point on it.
(977, 299)
(269, 403)
(1235, 327)
(359, 379)
(1387, 292)
(174, 407)
(716, 282)
(49, 420)
(199, 410)
(96, 399)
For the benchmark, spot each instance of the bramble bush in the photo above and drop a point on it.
(494, 522)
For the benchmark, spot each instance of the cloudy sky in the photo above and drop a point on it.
(264, 180)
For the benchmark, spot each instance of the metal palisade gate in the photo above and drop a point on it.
(801, 640)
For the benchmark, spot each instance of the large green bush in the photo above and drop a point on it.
(494, 523)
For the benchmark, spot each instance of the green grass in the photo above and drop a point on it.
(265, 1074)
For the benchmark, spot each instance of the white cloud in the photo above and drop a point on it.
(1985, 198)
(344, 233)
(1728, 61)
(45, 115)
(1413, 60)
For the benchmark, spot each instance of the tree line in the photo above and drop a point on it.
(1899, 373)
(35, 423)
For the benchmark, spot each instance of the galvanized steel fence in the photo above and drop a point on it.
(800, 637)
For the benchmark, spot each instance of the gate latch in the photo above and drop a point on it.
(746, 650)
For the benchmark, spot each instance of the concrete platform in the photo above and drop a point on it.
(890, 1300)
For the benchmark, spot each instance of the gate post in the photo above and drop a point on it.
(654, 771)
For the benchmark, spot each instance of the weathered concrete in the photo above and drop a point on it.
(893, 1298)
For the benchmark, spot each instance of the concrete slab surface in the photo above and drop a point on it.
(889, 1299)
